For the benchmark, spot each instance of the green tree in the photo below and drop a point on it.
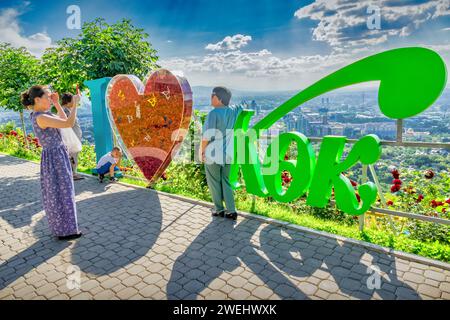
(18, 72)
(61, 66)
(100, 50)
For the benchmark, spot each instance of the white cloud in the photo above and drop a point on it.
(260, 69)
(12, 33)
(343, 23)
(235, 42)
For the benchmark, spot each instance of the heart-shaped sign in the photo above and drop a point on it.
(151, 120)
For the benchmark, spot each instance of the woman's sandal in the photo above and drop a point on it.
(71, 237)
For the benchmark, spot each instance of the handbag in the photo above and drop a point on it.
(71, 140)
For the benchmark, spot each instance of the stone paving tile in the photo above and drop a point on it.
(139, 244)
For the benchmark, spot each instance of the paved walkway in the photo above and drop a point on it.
(142, 244)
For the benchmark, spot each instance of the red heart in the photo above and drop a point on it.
(152, 119)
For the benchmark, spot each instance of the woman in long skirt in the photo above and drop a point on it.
(58, 194)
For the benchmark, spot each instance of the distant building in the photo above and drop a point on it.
(337, 130)
(256, 107)
(324, 115)
(252, 106)
(418, 134)
(384, 130)
(352, 131)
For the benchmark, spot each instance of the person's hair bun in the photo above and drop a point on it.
(25, 99)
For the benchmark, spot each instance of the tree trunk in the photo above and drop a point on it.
(24, 129)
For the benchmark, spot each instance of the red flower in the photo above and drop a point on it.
(286, 157)
(395, 188)
(395, 174)
(429, 174)
(13, 133)
(444, 210)
(397, 182)
(354, 183)
(435, 203)
(390, 203)
(419, 198)
(1, 135)
(447, 201)
(358, 197)
(287, 179)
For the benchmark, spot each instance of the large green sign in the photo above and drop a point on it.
(411, 79)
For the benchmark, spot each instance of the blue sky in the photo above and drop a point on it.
(254, 45)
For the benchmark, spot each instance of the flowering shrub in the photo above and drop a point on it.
(13, 141)
(425, 193)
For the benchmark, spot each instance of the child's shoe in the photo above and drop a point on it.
(113, 179)
(101, 177)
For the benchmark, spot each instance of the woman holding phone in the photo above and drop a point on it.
(57, 188)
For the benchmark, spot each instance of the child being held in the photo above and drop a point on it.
(108, 164)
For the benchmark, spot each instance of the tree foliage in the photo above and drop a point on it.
(18, 71)
(100, 50)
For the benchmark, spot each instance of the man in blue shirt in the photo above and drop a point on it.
(217, 150)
